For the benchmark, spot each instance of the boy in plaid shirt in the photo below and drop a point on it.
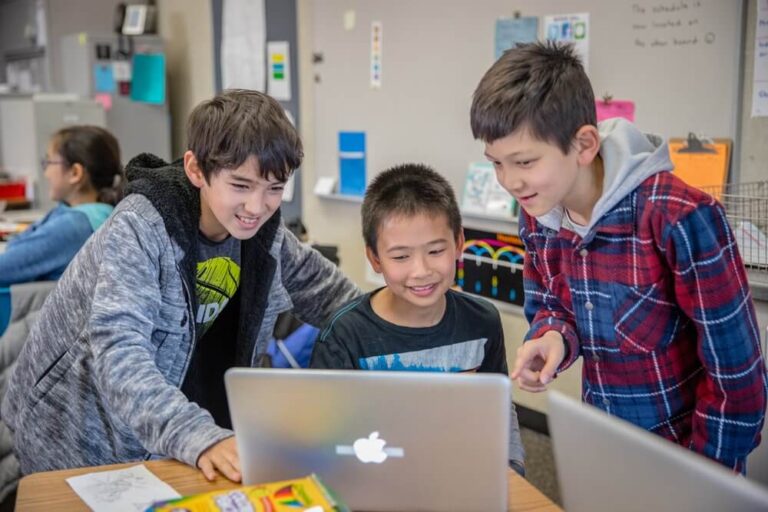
(625, 264)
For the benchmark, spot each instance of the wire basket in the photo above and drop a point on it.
(746, 206)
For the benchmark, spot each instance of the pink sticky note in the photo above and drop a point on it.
(105, 100)
(615, 108)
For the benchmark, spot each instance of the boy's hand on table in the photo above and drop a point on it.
(537, 361)
(223, 457)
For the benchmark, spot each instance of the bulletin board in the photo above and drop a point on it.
(678, 61)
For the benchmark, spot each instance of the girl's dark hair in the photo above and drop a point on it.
(98, 152)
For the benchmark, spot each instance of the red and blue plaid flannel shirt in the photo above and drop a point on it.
(656, 299)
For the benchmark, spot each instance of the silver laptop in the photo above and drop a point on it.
(604, 463)
(381, 440)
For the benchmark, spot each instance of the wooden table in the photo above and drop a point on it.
(49, 491)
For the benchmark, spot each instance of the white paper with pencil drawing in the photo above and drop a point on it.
(122, 490)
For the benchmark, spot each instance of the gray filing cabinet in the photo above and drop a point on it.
(139, 127)
(27, 122)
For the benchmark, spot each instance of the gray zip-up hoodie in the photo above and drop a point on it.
(99, 378)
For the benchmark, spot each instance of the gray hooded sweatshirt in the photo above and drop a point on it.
(629, 158)
(98, 381)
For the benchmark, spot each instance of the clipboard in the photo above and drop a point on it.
(701, 163)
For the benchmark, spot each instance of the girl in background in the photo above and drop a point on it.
(82, 166)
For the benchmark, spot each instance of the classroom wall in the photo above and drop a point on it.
(187, 30)
(338, 222)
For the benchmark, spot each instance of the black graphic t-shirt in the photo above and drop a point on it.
(218, 277)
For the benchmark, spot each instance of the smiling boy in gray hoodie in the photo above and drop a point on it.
(185, 280)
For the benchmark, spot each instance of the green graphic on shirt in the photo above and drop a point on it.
(217, 282)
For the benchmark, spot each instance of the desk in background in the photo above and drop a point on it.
(25, 217)
(19, 217)
(50, 491)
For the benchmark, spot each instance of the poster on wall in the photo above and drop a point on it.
(570, 28)
(510, 31)
(279, 72)
(377, 42)
(491, 266)
(608, 108)
(760, 79)
(352, 163)
(483, 194)
(103, 78)
(243, 41)
(148, 72)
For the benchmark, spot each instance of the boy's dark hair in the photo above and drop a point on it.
(408, 190)
(225, 131)
(98, 152)
(541, 87)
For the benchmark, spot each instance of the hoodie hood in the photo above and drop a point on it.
(177, 200)
(629, 158)
(167, 187)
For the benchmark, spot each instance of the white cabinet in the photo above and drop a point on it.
(27, 122)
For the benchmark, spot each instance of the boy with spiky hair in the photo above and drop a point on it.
(184, 281)
(417, 322)
(625, 264)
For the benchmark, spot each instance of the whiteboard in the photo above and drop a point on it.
(678, 60)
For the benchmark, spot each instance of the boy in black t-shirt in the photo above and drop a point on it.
(413, 236)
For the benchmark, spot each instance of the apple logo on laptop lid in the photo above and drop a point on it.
(370, 449)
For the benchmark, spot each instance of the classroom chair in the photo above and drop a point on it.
(24, 303)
